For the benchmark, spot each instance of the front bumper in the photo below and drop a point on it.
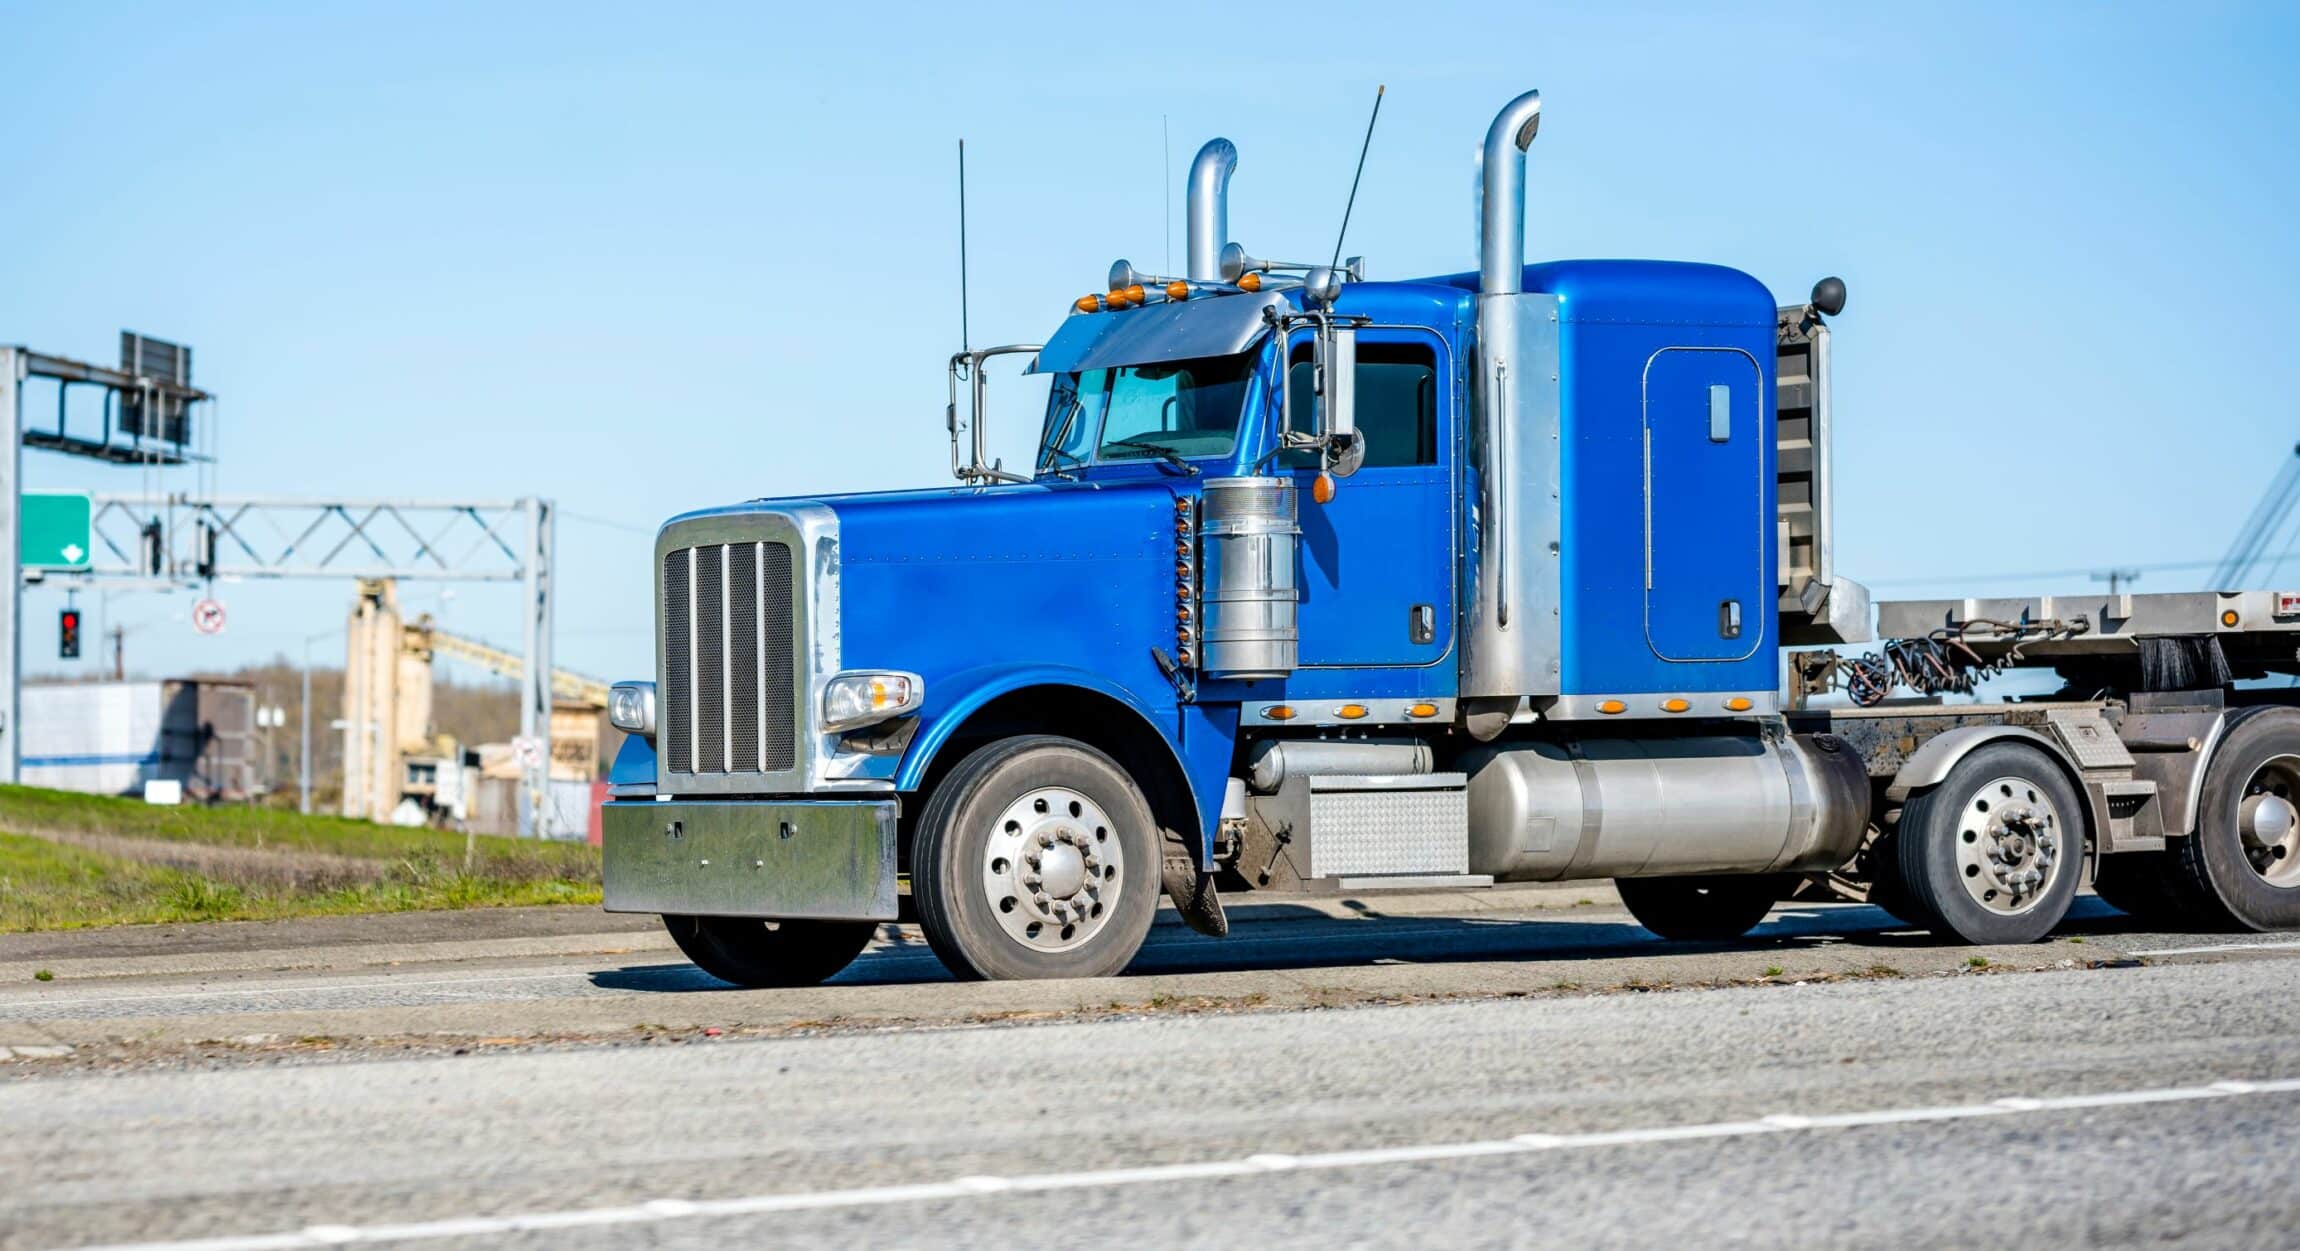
(810, 859)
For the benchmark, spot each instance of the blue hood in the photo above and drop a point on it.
(955, 583)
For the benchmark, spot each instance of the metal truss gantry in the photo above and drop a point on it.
(178, 540)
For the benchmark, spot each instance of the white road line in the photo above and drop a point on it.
(976, 1186)
(2206, 950)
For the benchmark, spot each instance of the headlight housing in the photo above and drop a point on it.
(868, 696)
(631, 708)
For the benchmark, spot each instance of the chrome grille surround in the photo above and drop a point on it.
(746, 632)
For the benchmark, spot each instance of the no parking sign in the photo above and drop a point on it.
(208, 616)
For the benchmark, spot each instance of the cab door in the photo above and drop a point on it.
(1378, 559)
(1708, 592)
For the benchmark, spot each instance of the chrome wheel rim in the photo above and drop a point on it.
(2268, 818)
(1052, 869)
(2009, 842)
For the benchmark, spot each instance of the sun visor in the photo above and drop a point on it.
(1222, 325)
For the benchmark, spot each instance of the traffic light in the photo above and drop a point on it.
(153, 549)
(68, 634)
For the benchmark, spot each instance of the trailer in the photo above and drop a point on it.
(1323, 584)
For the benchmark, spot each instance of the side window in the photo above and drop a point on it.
(1397, 403)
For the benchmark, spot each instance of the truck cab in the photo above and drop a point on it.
(1313, 584)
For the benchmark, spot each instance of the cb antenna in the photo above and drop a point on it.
(965, 340)
(1379, 91)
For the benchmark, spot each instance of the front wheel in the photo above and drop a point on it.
(1992, 855)
(1037, 857)
(1697, 908)
(751, 952)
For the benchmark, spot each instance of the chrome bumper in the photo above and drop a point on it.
(830, 860)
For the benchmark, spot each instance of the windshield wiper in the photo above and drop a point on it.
(1046, 462)
(1161, 451)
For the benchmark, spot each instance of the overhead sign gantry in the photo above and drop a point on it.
(171, 540)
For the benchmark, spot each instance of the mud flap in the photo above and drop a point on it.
(1192, 889)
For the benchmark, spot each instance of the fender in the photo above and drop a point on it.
(1941, 752)
(951, 700)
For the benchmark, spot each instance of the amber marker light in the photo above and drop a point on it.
(1611, 706)
(1115, 300)
(1177, 290)
(1674, 705)
(1249, 282)
(1322, 488)
(1739, 703)
(2229, 618)
(1351, 712)
(1422, 710)
(1136, 295)
(1089, 304)
(1278, 712)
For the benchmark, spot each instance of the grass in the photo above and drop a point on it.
(70, 860)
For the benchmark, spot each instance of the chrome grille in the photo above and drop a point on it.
(728, 655)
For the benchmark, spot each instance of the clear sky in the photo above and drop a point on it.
(641, 259)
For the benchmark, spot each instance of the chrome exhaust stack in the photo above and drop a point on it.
(1501, 215)
(1208, 215)
(1511, 649)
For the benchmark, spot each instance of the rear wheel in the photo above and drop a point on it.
(1708, 907)
(752, 952)
(1992, 855)
(1886, 890)
(1037, 857)
(2241, 867)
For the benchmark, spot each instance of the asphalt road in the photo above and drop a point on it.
(2135, 1089)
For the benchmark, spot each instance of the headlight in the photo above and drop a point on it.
(631, 708)
(853, 699)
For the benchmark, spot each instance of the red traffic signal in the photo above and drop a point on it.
(68, 634)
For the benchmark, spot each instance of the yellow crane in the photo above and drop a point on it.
(574, 688)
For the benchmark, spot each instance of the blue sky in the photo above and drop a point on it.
(645, 258)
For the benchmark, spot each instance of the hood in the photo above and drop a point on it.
(1072, 574)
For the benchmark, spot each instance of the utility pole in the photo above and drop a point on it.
(119, 653)
(2117, 579)
(13, 368)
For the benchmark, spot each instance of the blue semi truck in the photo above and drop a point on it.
(1320, 584)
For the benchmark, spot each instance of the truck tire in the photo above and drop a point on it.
(1886, 889)
(751, 952)
(1036, 857)
(1711, 907)
(1992, 855)
(2241, 868)
(2139, 884)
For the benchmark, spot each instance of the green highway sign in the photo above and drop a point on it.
(55, 528)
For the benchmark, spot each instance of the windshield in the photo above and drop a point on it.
(1185, 409)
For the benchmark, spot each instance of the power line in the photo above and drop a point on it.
(608, 522)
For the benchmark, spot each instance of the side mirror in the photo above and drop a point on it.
(968, 367)
(1337, 396)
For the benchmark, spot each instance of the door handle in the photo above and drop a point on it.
(1421, 624)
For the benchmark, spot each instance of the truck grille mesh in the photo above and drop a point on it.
(728, 701)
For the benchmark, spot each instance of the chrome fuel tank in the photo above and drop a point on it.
(1251, 623)
(1620, 807)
